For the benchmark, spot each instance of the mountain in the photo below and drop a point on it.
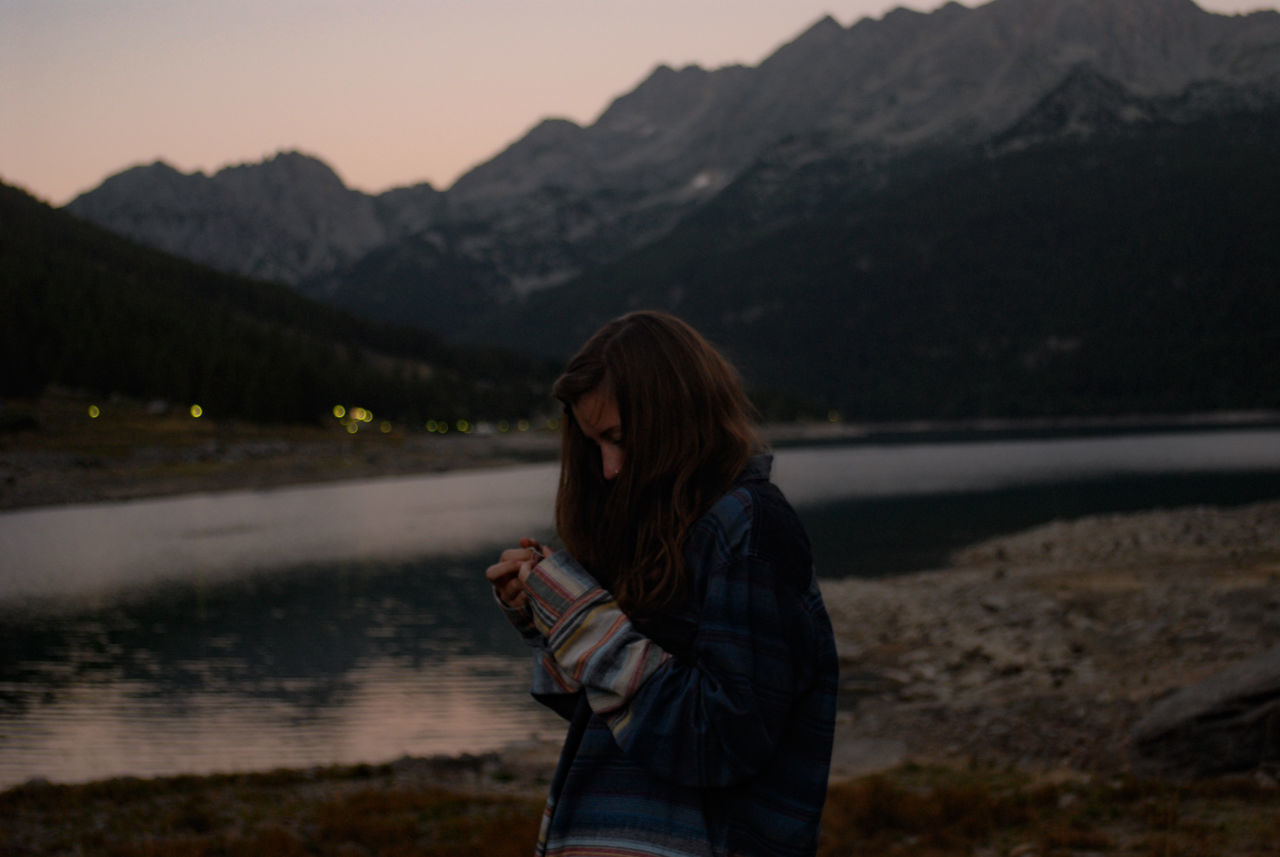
(1126, 272)
(279, 220)
(564, 198)
(955, 77)
(687, 189)
(85, 308)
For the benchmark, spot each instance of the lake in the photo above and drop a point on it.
(351, 622)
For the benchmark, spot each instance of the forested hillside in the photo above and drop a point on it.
(84, 308)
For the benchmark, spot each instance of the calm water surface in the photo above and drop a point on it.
(351, 623)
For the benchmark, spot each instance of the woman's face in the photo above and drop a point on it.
(597, 416)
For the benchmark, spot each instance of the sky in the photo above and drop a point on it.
(387, 92)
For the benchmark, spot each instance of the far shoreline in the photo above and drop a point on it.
(61, 457)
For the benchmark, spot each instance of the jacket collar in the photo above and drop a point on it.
(758, 468)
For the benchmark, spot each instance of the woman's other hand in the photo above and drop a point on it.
(508, 573)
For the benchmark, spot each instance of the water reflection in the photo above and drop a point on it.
(342, 663)
(121, 728)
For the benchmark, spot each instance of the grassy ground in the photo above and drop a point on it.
(367, 810)
(329, 812)
(922, 812)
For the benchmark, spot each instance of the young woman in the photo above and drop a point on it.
(680, 630)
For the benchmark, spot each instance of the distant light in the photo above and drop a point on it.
(385, 428)
(196, 412)
(339, 412)
(94, 412)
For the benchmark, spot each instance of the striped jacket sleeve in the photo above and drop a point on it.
(589, 638)
(549, 680)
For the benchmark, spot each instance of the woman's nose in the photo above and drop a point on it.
(610, 461)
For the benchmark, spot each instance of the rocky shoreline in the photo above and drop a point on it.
(1042, 649)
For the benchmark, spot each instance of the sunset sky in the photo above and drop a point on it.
(387, 92)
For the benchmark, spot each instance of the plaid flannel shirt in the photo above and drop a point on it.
(706, 731)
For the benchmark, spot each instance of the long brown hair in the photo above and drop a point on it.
(686, 433)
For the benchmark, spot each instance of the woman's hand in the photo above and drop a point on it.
(508, 573)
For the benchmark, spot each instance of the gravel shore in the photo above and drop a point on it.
(1043, 648)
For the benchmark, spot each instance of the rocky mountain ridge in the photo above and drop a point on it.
(564, 198)
(281, 219)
